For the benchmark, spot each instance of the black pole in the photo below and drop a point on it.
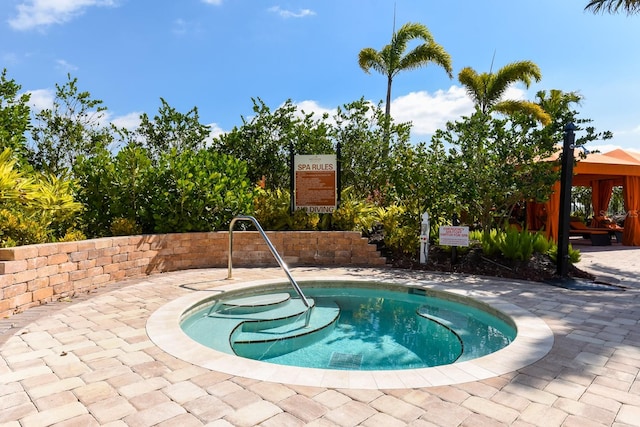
(292, 178)
(339, 173)
(566, 179)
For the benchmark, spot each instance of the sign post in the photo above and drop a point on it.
(315, 183)
(424, 239)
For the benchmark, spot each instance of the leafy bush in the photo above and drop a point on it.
(199, 191)
(188, 191)
(271, 208)
(34, 208)
(73, 235)
(354, 214)
(114, 187)
(574, 254)
(124, 227)
(401, 230)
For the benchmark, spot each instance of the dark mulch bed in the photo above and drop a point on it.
(472, 261)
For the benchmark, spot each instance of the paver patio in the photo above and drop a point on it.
(88, 361)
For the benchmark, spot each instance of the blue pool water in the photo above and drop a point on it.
(355, 327)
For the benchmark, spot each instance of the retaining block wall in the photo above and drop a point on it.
(36, 274)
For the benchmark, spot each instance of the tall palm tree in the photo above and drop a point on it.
(486, 89)
(391, 59)
(614, 6)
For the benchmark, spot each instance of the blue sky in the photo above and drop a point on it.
(218, 54)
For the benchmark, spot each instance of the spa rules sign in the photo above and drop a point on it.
(315, 182)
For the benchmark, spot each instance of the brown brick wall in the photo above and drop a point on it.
(36, 274)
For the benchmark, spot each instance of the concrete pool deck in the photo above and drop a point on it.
(89, 361)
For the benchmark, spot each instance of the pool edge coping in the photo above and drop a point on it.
(533, 341)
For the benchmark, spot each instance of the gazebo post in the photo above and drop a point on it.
(566, 178)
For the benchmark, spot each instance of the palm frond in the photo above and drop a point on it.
(530, 108)
(614, 6)
(424, 54)
(369, 58)
(472, 82)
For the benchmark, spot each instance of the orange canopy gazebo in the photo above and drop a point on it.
(602, 172)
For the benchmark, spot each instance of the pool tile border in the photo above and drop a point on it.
(534, 340)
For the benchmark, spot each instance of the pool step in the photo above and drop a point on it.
(260, 342)
(251, 304)
(454, 321)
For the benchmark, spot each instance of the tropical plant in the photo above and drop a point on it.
(266, 141)
(363, 132)
(197, 191)
(391, 59)
(493, 165)
(487, 89)
(14, 118)
(74, 126)
(34, 208)
(170, 130)
(614, 6)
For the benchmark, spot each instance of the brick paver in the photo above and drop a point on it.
(88, 361)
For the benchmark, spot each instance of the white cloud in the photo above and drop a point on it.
(129, 121)
(42, 13)
(65, 66)
(429, 112)
(302, 13)
(312, 107)
(214, 2)
(41, 99)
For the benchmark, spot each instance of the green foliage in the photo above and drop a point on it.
(574, 254)
(124, 227)
(541, 244)
(512, 243)
(272, 208)
(401, 230)
(199, 191)
(517, 245)
(491, 241)
(493, 165)
(354, 214)
(170, 130)
(72, 235)
(72, 127)
(14, 117)
(17, 228)
(303, 220)
(34, 208)
(265, 141)
(392, 59)
(114, 187)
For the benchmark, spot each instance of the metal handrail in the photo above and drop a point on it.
(271, 248)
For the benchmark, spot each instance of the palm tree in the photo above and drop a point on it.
(390, 60)
(486, 89)
(556, 102)
(614, 6)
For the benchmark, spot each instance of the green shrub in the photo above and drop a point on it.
(541, 244)
(73, 235)
(401, 230)
(354, 214)
(18, 229)
(574, 254)
(491, 242)
(271, 208)
(199, 191)
(125, 227)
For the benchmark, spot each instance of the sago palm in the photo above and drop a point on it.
(391, 59)
(487, 89)
(614, 6)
